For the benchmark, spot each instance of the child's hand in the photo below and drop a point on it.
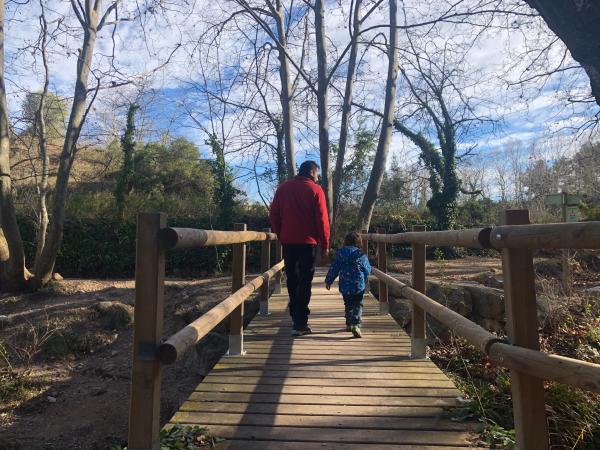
(328, 286)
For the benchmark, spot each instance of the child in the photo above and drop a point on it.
(353, 268)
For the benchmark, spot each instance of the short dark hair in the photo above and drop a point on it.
(352, 239)
(307, 167)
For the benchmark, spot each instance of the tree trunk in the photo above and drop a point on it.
(76, 120)
(322, 87)
(12, 262)
(286, 92)
(576, 23)
(280, 153)
(378, 170)
(43, 151)
(346, 109)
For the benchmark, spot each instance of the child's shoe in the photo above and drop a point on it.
(356, 331)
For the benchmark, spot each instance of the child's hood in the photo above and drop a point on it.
(348, 254)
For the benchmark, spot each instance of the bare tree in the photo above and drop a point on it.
(12, 262)
(385, 137)
(92, 17)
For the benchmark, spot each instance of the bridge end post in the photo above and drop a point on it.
(384, 307)
(531, 427)
(238, 279)
(265, 264)
(418, 344)
(144, 407)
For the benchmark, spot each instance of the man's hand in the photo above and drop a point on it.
(325, 255)
(328, 286)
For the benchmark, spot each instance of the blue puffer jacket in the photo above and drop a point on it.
(353, 268)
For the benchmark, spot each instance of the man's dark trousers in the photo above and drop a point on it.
(299, 270)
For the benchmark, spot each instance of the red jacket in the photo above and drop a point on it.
(299, 214)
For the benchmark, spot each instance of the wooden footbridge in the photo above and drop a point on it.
(328, 390)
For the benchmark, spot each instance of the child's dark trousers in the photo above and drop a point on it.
(353, 305)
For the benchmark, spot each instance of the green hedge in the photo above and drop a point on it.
(105, 248)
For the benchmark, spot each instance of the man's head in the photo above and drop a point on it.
(352, 240)
(310, 169)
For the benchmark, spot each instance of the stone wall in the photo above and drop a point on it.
(482, 304)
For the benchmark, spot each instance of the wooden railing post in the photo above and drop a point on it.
(265, 264)
(382, 265)
(364, 247)
(236, 319)
(418, 346)
(279, 276)
(144, 408)
(531, 427)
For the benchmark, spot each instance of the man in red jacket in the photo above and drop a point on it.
(299, 217)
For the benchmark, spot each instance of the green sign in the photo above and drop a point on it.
(557, 200)
(572, 214)
(573, 200)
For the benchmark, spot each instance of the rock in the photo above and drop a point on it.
(5, 320)
(456, 298)
(51, 399)
(115, 315)
(400, 310)
(593, 292)
(489, 279)
(57, 276)
(491, 325)
(487, 302)
(545, 308)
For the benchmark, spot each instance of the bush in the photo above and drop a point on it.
(115, 315)
(105, 248)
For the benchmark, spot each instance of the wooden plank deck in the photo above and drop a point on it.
(326, 390)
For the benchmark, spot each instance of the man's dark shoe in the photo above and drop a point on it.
(301, 331)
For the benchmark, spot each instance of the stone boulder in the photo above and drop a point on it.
(488, 303)
(481, 304)
(452, 296)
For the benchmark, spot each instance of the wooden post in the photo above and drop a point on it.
(418, 345)
(382, 265)
(531, 427)
(279, 276)
(144, 408)
(566, 270)
(236, 319)
(364, 246)
(265, 264)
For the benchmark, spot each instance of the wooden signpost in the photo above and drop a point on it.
(570, 213)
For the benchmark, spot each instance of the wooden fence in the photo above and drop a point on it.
(154, 238)
(529, 367)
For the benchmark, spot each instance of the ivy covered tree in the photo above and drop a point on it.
(224, 194)
(127, 172)
(441, 167)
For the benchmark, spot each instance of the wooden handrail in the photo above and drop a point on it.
(472, 238)
(552, 235)
(192, 237)
(187, 337)
(570, 371)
